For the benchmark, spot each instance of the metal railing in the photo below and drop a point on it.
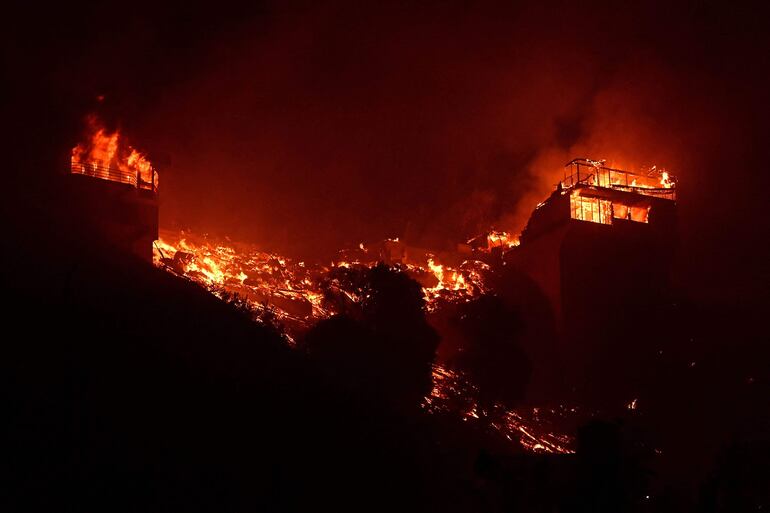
(594, 173)
(112, 174)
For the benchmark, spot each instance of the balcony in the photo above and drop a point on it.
(134, 178)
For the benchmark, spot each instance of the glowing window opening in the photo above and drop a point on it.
(593, 210)
(602, 211)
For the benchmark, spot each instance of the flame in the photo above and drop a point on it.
(101, 148)
(139, 163)
(295, 289)
(295, 292)
(503, 240)
(448, 279)
(665, 181)
(103, 156)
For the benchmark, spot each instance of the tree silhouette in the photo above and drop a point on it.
(384, 345)
(491, 355)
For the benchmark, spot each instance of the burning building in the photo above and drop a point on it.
(116, 191)
(599, 249)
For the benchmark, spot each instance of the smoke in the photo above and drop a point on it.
(341, 124)
(325, 125)
(308, 126)
(630, 121)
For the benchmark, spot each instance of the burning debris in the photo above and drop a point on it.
(302, 293)
(297, 294)
(536, 429)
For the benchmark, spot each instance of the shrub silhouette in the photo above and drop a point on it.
(491, 355)
(384, 344)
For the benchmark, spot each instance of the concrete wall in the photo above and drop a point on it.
(117, 214)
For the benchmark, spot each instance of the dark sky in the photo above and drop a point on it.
(305, 127)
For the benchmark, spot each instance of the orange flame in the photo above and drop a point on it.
(102, 156)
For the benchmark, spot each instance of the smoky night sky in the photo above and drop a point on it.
(309, 126)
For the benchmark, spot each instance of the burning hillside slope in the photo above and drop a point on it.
(297, 294)
(293, 295)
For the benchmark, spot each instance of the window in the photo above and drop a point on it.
(593, 210)
(620, 211)
(638, 214)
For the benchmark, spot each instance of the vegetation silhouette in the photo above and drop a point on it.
(383, 344)
(490, 354)
(126, 388)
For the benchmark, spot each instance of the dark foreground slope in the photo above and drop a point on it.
(123, 388)
(127, 389)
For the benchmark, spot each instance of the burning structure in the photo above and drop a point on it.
(116, 189)
(599, 248)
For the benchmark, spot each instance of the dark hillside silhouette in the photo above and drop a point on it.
(126, 388)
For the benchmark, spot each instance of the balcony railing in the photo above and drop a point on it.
(594, 173)
(112, 174)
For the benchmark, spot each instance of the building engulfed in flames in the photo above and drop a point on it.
(103, 156)
(116, 189)
(592, 205)
(599, 250)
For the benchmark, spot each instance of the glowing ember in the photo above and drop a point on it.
(295, 290)
(534, 428)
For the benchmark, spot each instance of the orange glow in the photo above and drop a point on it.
(531, 427)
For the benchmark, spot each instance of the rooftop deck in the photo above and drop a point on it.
(586, 172)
